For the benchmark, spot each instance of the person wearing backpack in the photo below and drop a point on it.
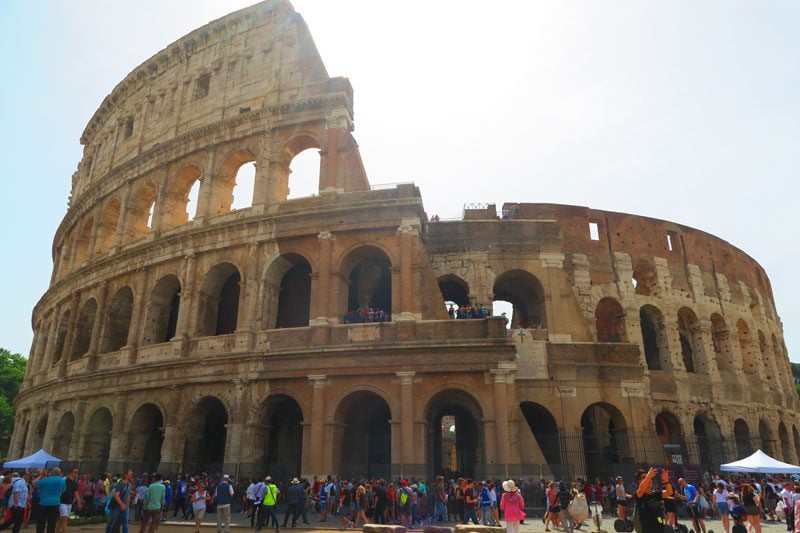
(268, 506)
(404, 501)
(17, 501)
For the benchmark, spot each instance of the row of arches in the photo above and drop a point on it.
(756, 351)
(194, 190)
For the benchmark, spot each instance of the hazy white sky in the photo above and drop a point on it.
(683, 110)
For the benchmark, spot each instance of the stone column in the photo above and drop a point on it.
(322, 309)
(66, 355)
(33, 358)
(248, 290)
(501, 377)
(93, 239)
(49, 352)
(123, 219)
(98, 327)
(207, 183)
(15, 446)
(118, 448)
(406, 380)
(52, 421)
(139, 305)
(332, 157)
(316, 460)
(75, 438)
(185, 313)
(408, 233)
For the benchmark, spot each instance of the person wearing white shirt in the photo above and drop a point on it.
(721, 496)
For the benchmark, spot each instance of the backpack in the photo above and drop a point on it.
(403, 496)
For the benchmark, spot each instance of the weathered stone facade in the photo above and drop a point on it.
(164, 340)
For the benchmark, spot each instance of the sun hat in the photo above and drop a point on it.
(509, 486)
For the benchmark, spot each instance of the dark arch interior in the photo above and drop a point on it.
(83, 336)
(161, 320)
(294, 302)
(604, 440)
(366, 443)
(371, 284)
(767, 438)
(669, 432)
(38, 435)
(645, 280)
(145, 438)
(610, 321)
(227, 314)
(455, 290)
(687, 326)
(97, 442)
(709, 442)
(283, 450)
(525, 293)
(648, 320)
(118, 320)
(454, 435)
(205, 437)
(61, 336)
(741, 433)
(544, 429)
(63, 436)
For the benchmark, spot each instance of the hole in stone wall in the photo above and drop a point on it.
(594, 231)
(201, 86)
(191, 205)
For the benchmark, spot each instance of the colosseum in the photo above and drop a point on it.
(314, 335)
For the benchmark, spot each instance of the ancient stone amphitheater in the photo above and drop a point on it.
(219, 340)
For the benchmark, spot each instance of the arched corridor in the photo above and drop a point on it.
(525, 293)
(605, 442)
(145, 437)
(362, 439)
(455, 434)
(206, 433)
(281, 437)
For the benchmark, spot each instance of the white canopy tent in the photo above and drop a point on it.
(760, 463)
(39, 459)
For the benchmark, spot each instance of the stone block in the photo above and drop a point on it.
(382, 528)
(472, 528)
(437, 529)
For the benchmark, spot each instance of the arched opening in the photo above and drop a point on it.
(233, 189)
(370, 285)
(720, 339)
(455, 293)
(710, 450)
(654, 337)
(786, 448)
(161, 318)
(118, 321)
(145, 437)
(690, 338)
(181, 206)
(38, 434)
(107, 230)
(206, 433)
(605, 441)
(244, 187)
(668, 429)
(219, 301)
(84, 239)
(526, 295)
(84, 327)
(61, 337)
(545, 431)
(140, 212)
(282, 436)
(304, 173)
(767, 438)
(741, 434)
(455, 440)
(97, 442)
(645, 279)
(287, 293)
(747, 348)
(63, 437)
(610, 321)
(364, 436)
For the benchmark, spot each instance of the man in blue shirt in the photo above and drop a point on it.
(691, 496)
(120, 499)
(17, 503)
(50, 489)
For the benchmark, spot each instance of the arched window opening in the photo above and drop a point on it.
(654, 338)
(747, 348)
(294, 303)
(369, 296)
(206, 436)
(161, 318)
(741, 434)
(690, 338)
(191, 203)
(710, 447)
(244, 186)
(84, 327)
(97, 441)
(605, 442)
(107, 230)
(503, 309)
(362, 437)
(304, 174)
(545, 432)
(83, 241)
(767, 438)
(525, 293)
(668, 429)
(63, 436)
(182, 198)
(61, 337)
(455, 435)
(140, 212)
(645, 279)
(118, 321)
(282, 436)
(219, 301)
(455, 294)
(610, 321)
(145, 438)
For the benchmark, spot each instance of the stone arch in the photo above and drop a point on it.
(97, 439)
(720, 339)
(669, 431)
(219, 301)
(206, 433)
(140, 208)
(455, 433)
(107, 230)
(691, 339)
(368, 273)
(545, 430)
(741, 434)
(222, 187)
(61, 337)
(767, 436)
(82, 242)
(747, 348)
(710, 449)
(84, 328)
(609, 319)
(605, 440)
(280, 430)
(145, 437)
(37, 439)
(362, 437)
(161, 316)
(785, 445)
(62, 438)
(287, 292)
(645, 278)
(118, 321)
(299, 143)
(655, 338)
(176, 207)
(525, 293)
(454, 290)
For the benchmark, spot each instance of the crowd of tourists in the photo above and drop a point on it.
(366, 314)
(646, 503)
(468, 311)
